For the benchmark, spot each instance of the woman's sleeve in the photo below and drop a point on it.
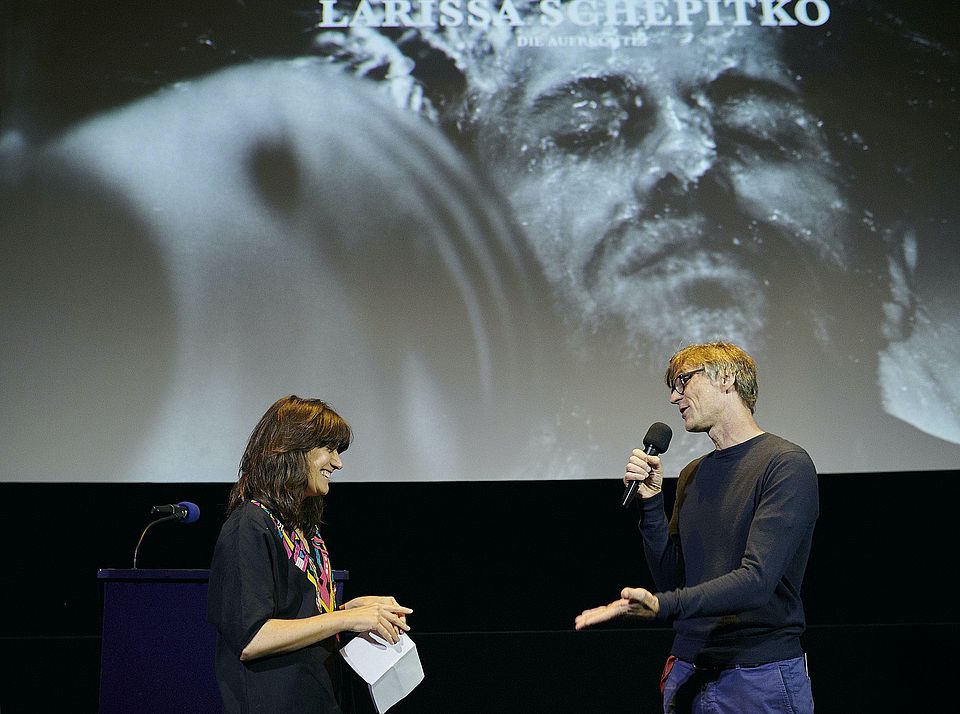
(243, 592)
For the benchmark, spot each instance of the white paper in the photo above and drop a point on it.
(390, 671)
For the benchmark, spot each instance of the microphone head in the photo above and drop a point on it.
(193, 513)
(658, 436)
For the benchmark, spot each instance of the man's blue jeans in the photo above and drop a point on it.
(774, 688)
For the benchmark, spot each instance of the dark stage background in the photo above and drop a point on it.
(496, 572)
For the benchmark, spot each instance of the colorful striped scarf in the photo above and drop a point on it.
(306, 558)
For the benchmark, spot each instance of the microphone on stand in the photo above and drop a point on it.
(655, 442)
(184, 512)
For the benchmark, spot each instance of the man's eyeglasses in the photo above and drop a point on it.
(680, 381)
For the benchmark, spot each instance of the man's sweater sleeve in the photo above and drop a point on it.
(662, 551)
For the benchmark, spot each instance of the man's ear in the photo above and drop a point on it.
(728, 382)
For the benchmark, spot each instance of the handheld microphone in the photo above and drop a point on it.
(184, 511)
(655, 443)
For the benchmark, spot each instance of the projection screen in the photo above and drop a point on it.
(479, 230)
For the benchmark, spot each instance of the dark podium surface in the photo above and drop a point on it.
(158, 648)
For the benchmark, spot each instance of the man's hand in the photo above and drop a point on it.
(633, 602)
(646, 469)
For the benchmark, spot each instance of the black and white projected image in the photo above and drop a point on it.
(179, 260)
(478, 231)
(745, 171)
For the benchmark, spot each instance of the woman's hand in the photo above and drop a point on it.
(378, 614)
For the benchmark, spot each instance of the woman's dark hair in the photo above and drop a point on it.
(274, 467)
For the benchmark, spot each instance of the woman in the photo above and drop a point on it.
(271, 592)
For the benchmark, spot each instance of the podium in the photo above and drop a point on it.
(158, 649)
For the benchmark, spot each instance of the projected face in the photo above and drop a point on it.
(673, 188)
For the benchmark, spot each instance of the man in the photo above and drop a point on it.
(729, 565)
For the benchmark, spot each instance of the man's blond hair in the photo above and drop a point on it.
(719, 359)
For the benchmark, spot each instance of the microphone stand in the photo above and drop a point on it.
(171, 517)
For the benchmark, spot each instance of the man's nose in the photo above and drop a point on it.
(680, 148)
